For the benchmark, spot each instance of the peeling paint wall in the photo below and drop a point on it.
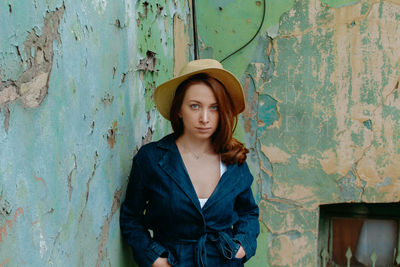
(321, 80)
(322, 118)
(76, 84)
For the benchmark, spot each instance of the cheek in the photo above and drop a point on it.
(187, 118)
(216, 118)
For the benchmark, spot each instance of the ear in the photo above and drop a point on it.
(179, 115)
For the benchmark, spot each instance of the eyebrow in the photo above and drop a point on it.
(198, 102)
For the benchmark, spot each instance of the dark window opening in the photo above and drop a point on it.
(359, 234)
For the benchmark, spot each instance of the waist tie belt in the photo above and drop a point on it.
(225, 245)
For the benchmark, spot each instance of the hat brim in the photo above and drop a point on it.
(164, 93)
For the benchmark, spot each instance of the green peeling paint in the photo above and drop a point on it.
(223, 27)
(321, 84)
(340, 3)
(64, 164)
(320, 79)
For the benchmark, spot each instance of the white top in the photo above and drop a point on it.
(222, 170)
(202, 201)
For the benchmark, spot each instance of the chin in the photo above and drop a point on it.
(204, 136)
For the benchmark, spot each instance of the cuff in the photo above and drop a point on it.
(241, 239)
(157, 250)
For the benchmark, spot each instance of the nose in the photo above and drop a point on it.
(204, 117)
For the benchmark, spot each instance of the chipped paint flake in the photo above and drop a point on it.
(148, 63)
(275, 154)
(8, 94)
(106, 226)
(32, 85)
(288, 251)
(33, 92)
(328, 161)
(305, 161)
(111, 135)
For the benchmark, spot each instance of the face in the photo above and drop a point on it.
(199, 112)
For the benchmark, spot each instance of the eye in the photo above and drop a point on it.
(214, 107)
(194, 106)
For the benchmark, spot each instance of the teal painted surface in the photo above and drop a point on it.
(222, 32)
(321, 80)
(64, 164)
(339, 3)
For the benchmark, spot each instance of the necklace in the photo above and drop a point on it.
(196, 156)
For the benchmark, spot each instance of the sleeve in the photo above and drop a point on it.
(145, 250)
(247, 228)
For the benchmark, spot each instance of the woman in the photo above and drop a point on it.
(192, 189)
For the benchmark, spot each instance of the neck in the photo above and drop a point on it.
(195, 145)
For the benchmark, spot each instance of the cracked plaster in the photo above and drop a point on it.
(329, 133)
(312, 87)
(32, 86)
(66, 160)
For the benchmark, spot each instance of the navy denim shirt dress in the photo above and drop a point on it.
(161, 197)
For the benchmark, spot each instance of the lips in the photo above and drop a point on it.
(203, 129)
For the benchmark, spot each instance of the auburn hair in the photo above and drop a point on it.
(232, 151)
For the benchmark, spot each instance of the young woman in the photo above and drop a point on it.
(189, 201)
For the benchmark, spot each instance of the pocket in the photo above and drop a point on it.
(237, 261)
(237, 250)
(227, 247)
(171, 259)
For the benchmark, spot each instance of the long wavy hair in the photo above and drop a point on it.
(232, 151)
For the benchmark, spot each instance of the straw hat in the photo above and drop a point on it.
(165, 92)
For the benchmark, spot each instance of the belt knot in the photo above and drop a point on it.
(224, 243)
